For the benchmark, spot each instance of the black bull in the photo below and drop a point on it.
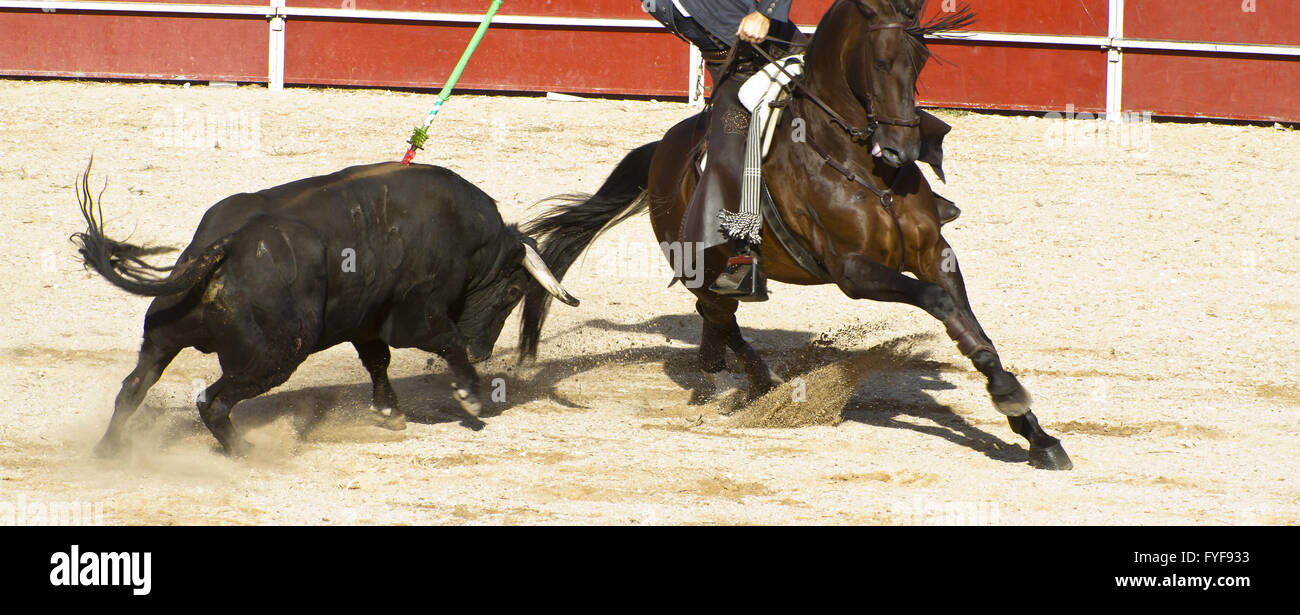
(379, 255)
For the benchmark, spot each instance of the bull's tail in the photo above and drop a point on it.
(566, 229)
(123, 263)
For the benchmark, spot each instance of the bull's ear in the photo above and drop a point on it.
(933, 130)
(526, 240)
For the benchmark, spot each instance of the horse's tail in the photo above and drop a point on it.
(123, 264)
(566, 229)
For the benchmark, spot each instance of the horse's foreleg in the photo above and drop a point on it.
(941, 293)
(720, 327)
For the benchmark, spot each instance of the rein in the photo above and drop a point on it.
(885, 196)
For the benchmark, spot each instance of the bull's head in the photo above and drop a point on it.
(487, 307)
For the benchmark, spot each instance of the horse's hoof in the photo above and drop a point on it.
(1050, 458)
(727, 400)
(725, 396)
(1016, 403)
(758, 389)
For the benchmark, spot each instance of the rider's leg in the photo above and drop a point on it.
(720, 186)
(719, 189)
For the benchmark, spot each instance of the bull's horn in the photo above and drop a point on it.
(535, 265)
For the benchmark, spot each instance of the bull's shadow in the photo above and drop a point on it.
(883, 398)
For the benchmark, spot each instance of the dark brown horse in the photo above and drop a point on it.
(843, 176)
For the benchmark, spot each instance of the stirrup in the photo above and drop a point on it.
(742, 280)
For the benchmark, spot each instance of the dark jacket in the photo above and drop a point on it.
(722, 17)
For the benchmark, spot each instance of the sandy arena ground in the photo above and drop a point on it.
(1141, 280)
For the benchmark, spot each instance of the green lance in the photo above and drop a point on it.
(421, 133)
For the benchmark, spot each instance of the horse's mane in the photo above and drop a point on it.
(961, 18)
(946, 21)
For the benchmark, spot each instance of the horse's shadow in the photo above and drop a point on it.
(893, 399)
(883, 398)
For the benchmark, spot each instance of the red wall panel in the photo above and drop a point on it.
(647, 62)
(239, 2)
(1203, 85)
(1025, 16)
(1014, 77)
(1248, 88)
(613, 9)
(137, 46)
(1036, 17)
(1275, 22)
(1010, 76)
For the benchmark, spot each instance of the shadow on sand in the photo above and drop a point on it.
(895, 395)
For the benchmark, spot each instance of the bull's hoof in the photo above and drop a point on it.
(390, 418)
(237, 448)
(468, 402)
(396, 422)
(1050, 458)
(109, 448)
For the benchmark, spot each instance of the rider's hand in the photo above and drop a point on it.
(753, 28)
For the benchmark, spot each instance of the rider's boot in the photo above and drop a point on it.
(743, 279)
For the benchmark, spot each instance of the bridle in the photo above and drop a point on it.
(874, 118)
(858, 135)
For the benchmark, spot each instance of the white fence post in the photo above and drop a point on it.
(275, 55)
(1115, 63)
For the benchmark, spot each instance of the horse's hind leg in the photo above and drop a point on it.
(940, 292)
(720, 327)
(152, 360)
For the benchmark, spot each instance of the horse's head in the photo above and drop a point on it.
(882, 51)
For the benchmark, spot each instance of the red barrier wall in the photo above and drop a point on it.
(645, 60)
